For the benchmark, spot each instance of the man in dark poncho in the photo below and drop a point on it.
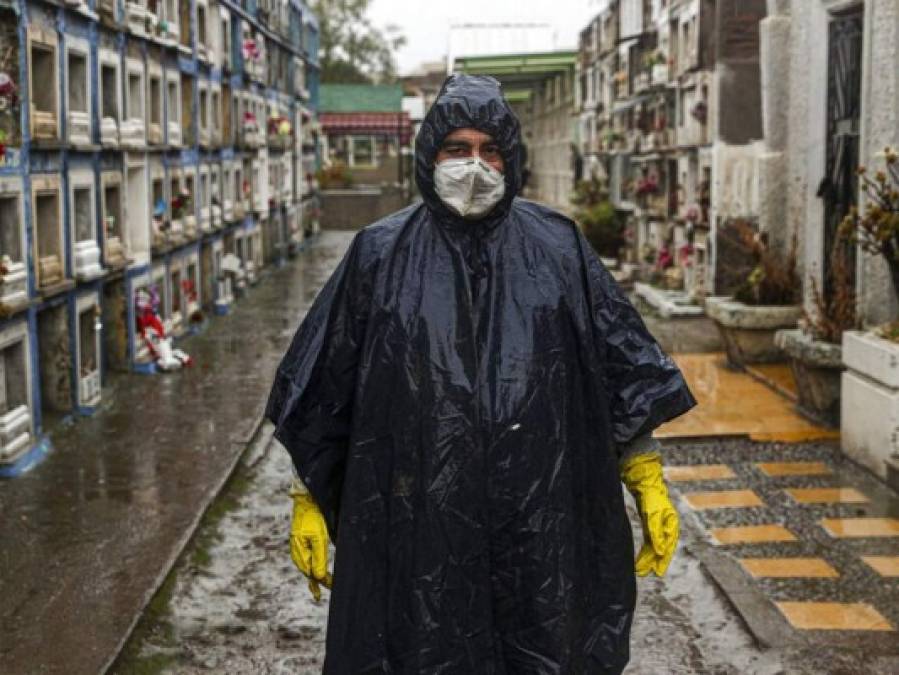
(463, 402)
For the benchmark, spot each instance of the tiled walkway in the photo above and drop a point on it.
(736, 404)
(812, 534)
(816, 535)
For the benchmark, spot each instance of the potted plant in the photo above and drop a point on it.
(766, 302)
(598, 220)
(814, 348)
(870, 385)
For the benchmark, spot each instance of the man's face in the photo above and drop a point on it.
(464, 143)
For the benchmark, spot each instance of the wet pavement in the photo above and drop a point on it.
(244, 608)
(89, 535)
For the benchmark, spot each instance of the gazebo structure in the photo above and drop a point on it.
(365, 128)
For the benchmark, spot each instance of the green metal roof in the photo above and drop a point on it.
(519, 69)
(348, 98)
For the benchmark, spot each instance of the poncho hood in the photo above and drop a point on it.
(477, 102)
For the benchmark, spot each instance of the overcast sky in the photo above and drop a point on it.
(426, 23)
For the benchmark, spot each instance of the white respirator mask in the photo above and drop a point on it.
(468, 186)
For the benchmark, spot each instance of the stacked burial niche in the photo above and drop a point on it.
(78, 90)
(82, 209)
(43, 67)
(16, 392)
(48, 234)
(55, 358)
(13, 269)
(88, 346)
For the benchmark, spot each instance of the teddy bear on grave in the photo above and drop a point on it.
(152, 332)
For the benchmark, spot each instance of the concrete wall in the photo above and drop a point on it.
(355, 208)
(794, 45)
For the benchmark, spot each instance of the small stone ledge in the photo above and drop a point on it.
(670, 304)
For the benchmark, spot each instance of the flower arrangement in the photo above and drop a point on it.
(685, 254)
(190, 295)
(694, 214)
(647, 185)
(700, 111)
(774, 279)
(181, 205)
(9, 107)
(875, 229)
(251, 50)
(279, 125)
(654, 59)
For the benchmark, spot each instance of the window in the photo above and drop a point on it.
(78, 92)
(363, 151)
(173, 108)
(86, 246)
(13, 289)
(48, 232)
(112, 218)
(109, 99)
(15, 392)
(43, 87)
(154, 133)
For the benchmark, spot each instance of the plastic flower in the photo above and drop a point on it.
(7, 86)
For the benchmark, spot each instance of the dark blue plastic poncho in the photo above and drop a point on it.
(453, 401)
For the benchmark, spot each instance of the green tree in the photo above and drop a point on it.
(351, 49)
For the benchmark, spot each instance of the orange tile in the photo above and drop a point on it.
(861, 527)
(827, 495)
(751, 534)
(788, 567)
(776, 469)
(833, 616)
(698, 472)
(884, 565)
(733, 403)
(723, 499)
(779, 376)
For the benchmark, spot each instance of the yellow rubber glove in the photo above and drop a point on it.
(642, 474)
(309, 542)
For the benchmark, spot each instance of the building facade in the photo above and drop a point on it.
(669, 113)
(157, 149)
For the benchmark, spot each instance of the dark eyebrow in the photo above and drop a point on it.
(455, 144)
